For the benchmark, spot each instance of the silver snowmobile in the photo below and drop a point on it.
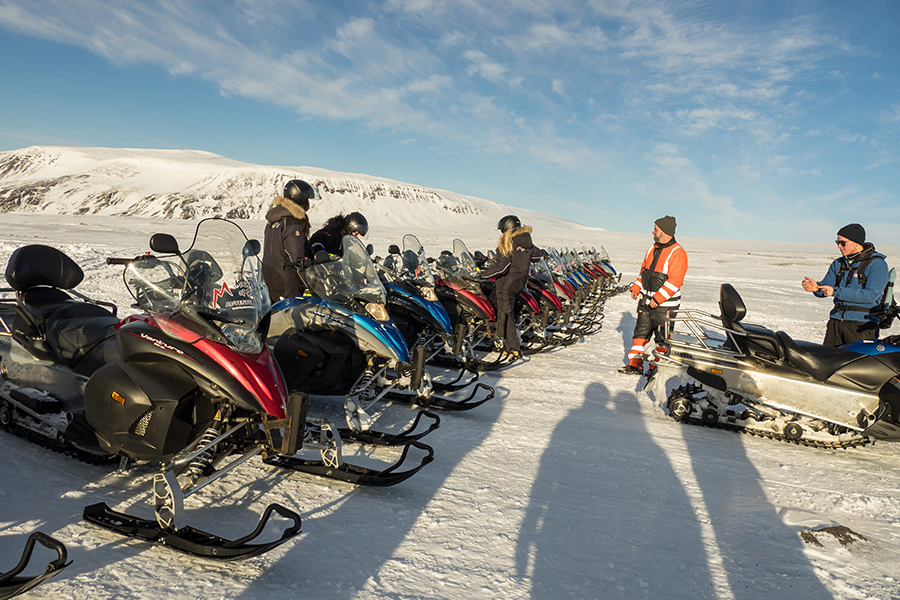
(750, 378)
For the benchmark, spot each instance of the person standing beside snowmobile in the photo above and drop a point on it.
(658, 288)
(856, 281)
(329, 238)
(515, 253)
(284, 243)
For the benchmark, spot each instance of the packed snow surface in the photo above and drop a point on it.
(571, 483)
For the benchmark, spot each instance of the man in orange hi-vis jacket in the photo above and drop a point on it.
(659, 288)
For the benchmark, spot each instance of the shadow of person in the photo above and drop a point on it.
(607, 516)
(626, 329)
(751, 538)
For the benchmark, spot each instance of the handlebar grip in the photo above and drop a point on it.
(118, 261)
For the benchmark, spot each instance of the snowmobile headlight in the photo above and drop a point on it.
(428, 293)
(378, 311)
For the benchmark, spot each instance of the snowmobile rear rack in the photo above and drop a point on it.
(353, 473)
(11, 584)
(193, 541)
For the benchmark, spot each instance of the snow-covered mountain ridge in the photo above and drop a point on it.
(191, 184)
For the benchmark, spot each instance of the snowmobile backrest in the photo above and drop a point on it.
(731, 304)
(38, 265)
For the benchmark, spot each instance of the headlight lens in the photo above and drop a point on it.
(428, 293)
(378, 311)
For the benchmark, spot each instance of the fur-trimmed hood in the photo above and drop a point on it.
(505, 244)
(282, 207)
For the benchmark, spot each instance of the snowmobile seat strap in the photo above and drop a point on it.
(819, 362)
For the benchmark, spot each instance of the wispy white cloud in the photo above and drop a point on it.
(570, 83)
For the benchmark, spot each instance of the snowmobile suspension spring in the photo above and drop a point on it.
(365, 380)
(203, 460)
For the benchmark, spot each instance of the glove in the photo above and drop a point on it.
(303, 263)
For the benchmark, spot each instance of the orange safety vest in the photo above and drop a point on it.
(662, 281)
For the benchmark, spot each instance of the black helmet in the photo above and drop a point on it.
(299, 192)
(356, 222)
(509, 222)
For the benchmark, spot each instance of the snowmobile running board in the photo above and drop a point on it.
(189, 540)
(13, 585)
(381, 438)
(353, 473)
(441, 403)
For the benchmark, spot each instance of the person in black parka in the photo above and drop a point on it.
(330, 237)
(515, 253)
(284, 244)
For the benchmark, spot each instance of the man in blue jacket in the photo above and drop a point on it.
(856, 281)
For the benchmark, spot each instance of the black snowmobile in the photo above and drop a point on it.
(750, 378)
(13, 583)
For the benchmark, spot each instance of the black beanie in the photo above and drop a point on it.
(853, 232)
(666, 224)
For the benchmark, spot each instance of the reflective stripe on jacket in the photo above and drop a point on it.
(662, 281)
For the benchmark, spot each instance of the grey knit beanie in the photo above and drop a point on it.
(666, 224)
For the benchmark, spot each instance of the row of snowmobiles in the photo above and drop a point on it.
(208, 374)
(749, 378)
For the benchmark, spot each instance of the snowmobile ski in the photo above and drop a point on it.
(439, 402)
(12, 584)
(193, 541)
(355, 474)
(382, 438)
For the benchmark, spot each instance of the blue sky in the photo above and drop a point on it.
(744, 119)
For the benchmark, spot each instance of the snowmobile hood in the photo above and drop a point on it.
(383, 337)
(435, 309)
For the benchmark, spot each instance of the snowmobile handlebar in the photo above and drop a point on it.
(112, 260)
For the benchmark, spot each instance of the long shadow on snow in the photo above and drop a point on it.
(752, 538)
(608, 517)
(341, 551)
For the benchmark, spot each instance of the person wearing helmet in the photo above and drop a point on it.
(515, 253)
(285, 240)
(328, 239)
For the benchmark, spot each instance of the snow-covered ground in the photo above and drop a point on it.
(571, 483)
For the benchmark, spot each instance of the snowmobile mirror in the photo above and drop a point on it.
(393, 249)
(251, 248)
(370, 249)
(320, 257)
(164, 244)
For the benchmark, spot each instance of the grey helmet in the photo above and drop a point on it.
(355, 221)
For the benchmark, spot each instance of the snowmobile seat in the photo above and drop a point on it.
(751, 339)
(73, 331)
(817, 361)
(41, 276)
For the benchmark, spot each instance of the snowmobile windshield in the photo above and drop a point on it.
(218, 280)
(352, 277)
(459, 267)
(540, 271)
(415, 263)
(556, 263)
(604, 257)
